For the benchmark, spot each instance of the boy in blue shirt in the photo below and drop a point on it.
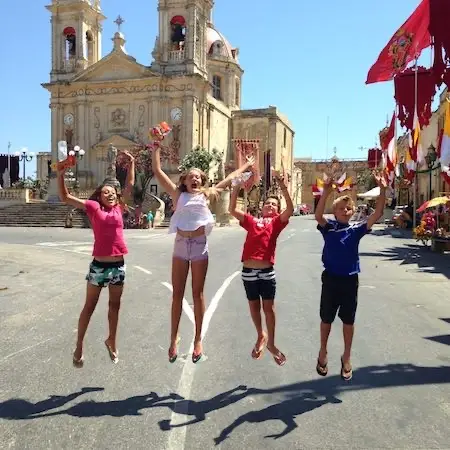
(341, 263)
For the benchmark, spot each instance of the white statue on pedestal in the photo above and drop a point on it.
(6, 179)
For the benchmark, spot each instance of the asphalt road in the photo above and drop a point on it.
(399, 396)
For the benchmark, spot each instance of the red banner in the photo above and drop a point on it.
(374, 158)
(244, 148)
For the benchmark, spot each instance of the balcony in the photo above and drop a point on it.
(176, 55)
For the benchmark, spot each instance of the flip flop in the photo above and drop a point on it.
(280, 359)
(322, 368)
(114, 356)
(174, 355)
(196, 358)
(78, 363)
(346, 375)
(258, 352)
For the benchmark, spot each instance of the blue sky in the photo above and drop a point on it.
(308, 58)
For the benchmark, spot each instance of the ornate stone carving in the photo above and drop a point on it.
(141, 121)
(176, 143)
(128, 90)
(119, 118)
(96, 117)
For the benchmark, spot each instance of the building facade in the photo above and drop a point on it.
(194, 83)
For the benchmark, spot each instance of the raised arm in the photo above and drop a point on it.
(130, 174)
(284, 217)
(320, 209)
(238, 214)
(167, 183)
(226, 182)
(64, 195)
(379, 209)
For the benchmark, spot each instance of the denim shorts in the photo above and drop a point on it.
(191, 249)
(103, 274)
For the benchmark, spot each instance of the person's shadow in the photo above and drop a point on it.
(17, 408)
(286, 411)
(200, 409)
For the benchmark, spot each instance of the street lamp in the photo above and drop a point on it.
(79, 154)
(24, 156)
(430, 159)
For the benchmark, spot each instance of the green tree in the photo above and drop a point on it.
(365, 180)
(200, 158)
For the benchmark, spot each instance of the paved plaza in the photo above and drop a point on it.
(399, 396)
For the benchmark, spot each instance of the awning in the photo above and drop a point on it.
(373, 193)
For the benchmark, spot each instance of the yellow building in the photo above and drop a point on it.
(194, 83)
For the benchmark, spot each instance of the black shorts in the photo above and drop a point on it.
(339, 293)
(259, 284)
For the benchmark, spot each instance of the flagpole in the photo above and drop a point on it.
(9, 164)
(416, 78)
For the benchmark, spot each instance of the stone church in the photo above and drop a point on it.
(194, 83)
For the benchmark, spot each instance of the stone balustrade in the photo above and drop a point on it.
(13, 196)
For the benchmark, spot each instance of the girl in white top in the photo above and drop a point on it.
(192, 221)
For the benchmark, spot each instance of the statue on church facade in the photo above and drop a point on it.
(111, 157)
(6, 179)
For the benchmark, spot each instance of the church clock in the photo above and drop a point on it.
(68, 119)
(176, 114)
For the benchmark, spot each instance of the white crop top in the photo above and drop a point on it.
(191, 213)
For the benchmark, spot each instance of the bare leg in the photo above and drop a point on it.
(198, 271)
(325, 329)
(115, 294)
(92, 296)
(180, 268)
(255, 312)
(269, 312)
(348, 331)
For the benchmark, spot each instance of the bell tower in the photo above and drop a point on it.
(180, 47)
(76, 36)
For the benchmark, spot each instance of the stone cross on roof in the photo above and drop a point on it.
(119, 21)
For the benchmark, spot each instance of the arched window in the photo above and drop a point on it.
(178, 32)
(90, 47)
(217, 87)
(70, 42)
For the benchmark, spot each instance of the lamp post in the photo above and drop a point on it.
(79, 154)
(24, 156)
(430, 159)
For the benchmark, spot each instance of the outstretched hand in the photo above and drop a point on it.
(381, 180)
(250, 160)
(128, 155)
(327, 183)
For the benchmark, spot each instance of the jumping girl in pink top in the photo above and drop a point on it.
(104, 209)
(192, 222)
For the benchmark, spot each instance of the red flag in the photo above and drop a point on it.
(406, 44)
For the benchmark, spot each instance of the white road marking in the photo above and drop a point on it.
(26, 348)
(63, 244)
(144, 236)
(177, 436)
(186, 308)
(143, 270)
(287, 237)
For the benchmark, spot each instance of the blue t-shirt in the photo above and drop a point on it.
(340, 253)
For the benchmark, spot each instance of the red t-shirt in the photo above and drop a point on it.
(107, 225)
(262, 235)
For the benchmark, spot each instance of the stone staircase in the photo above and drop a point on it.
(41, 215)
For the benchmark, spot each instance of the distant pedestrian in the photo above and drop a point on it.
(258, 258)
(105, 211)
(151, 219)
(340, 278)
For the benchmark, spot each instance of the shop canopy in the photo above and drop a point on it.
(373, 193)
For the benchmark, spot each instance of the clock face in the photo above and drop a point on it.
(176, 114)
(68, 119)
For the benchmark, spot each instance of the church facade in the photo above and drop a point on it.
(194, 83)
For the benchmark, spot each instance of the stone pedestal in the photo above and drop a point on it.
(52, 191)
(223, 217)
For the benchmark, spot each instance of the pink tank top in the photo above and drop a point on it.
(107, 225)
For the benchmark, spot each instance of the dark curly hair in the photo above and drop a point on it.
(98, 192)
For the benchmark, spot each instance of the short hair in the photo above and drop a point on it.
(274, 197)
(344, 199)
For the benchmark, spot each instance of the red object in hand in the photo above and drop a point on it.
(159, 132)
(70, 161)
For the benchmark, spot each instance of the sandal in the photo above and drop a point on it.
(173, 355)
(346, 374)
(114, 356)
(257, 352)
(196, 357)
(78, 363)
(280, 359)
(322, 368)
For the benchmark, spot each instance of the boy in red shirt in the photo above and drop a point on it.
(258, 258)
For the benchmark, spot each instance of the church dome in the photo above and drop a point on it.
(218, 46)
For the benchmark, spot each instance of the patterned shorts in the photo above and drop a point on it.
(103, 274)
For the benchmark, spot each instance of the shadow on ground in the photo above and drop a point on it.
(441, 339)
(297, 399)
(418, 256)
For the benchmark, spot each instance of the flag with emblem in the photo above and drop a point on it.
(405, 45)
